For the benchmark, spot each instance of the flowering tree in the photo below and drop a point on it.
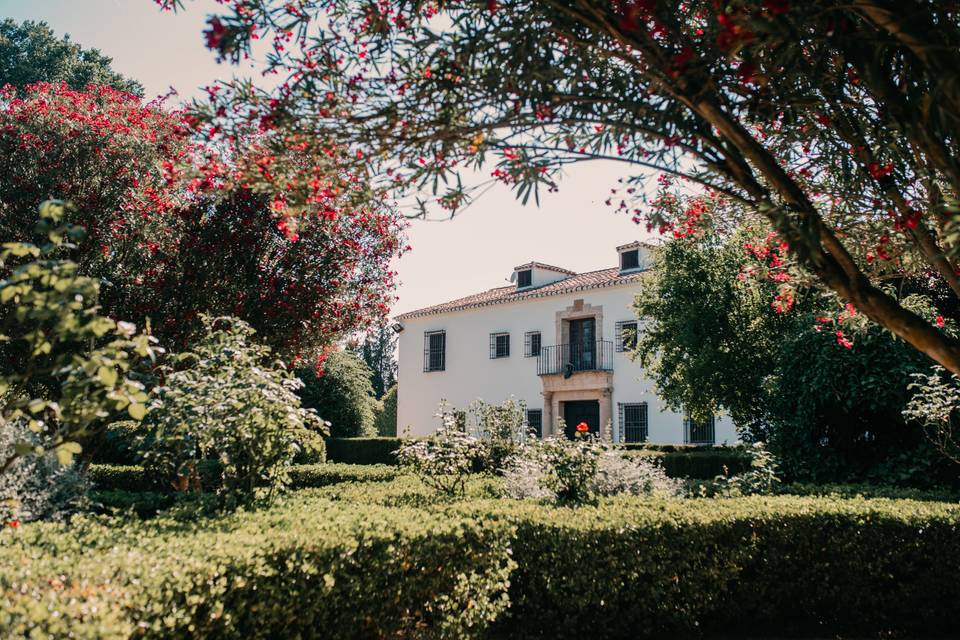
(30, 52)
(172, 231)
(836, 122)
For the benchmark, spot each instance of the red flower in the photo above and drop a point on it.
(583, 427)
(878, 171)
(940, 321)
(215, 33)
(14, 524)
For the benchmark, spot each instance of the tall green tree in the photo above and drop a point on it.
(31, 52)
(835, 121)
(341, 394)
(378, 351)
(710, 339)
(824, 387)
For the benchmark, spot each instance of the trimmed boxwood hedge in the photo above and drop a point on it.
(307, 568)
(358, 560)
(133, 478)
(698, 464)
(363, 450)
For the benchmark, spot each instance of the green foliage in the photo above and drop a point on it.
(581, 471)
(120, 443)
(311, 447)
(397, 559)
(837, 414)
(710, 340)
(309, 567)
(692, 463)
(137, 479)
(502, 429)
(233, 402)
(445, 460)
(378, 351)
(386, 419)
(934, 405)
(760, 479)
(66, 370)
(37, 487)
(341, 394)
(363, 450)
(30, 52)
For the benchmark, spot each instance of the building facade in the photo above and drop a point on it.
(555, 339)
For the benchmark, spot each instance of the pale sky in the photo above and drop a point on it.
(473, 252)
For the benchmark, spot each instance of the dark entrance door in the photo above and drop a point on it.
(583, 344)
(581, 411)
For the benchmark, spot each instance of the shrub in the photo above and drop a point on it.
(577, 472)
(386, 420)
(363, 450)
(136, 479)
(65, 370)
(120, 444)
(323, 475)
(746, 566)
(305, 568)
(445, 460)
(232, 402)
(340, 394)
(694, 463)
(761, 479)
(503, 429)
(36, 487)
(355, 562)
(311, 447)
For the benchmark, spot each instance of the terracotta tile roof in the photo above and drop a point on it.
(548, 267)
(636, 243)
(502, 295)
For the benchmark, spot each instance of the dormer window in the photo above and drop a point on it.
(524, 278)
(630, 260)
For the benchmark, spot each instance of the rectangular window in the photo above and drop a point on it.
(699, 431)
(434, 350)
(633, 422)
(524, 278)
(531, 344)
(630, 259)
(535, 421)
(499, 345)
(626, 335)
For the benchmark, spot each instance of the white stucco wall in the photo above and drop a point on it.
(470, 372)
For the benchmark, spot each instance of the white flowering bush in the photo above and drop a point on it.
(580, 471)
(501, 427)
(36, 487)
(761, 479)
(446, 459)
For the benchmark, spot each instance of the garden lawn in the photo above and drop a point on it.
(390, 558)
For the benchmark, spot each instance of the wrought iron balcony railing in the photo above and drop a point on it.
(571, 358)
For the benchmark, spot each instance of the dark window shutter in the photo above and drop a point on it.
(524, 278)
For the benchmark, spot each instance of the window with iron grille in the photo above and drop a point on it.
(434, 350)
(699, 431)
(524, 278)
(630, 259)
(626, 335)
(499, 345)
(535, 421)
(531, 344)
(633, 421)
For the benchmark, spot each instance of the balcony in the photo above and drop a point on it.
(568, 359)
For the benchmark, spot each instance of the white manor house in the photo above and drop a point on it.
(557, 340)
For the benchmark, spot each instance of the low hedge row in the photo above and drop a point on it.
(133, 478)
(697, 464)
(363, 450)
(119, 445)
(314, 567)
(679, 461)
(307, 569)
